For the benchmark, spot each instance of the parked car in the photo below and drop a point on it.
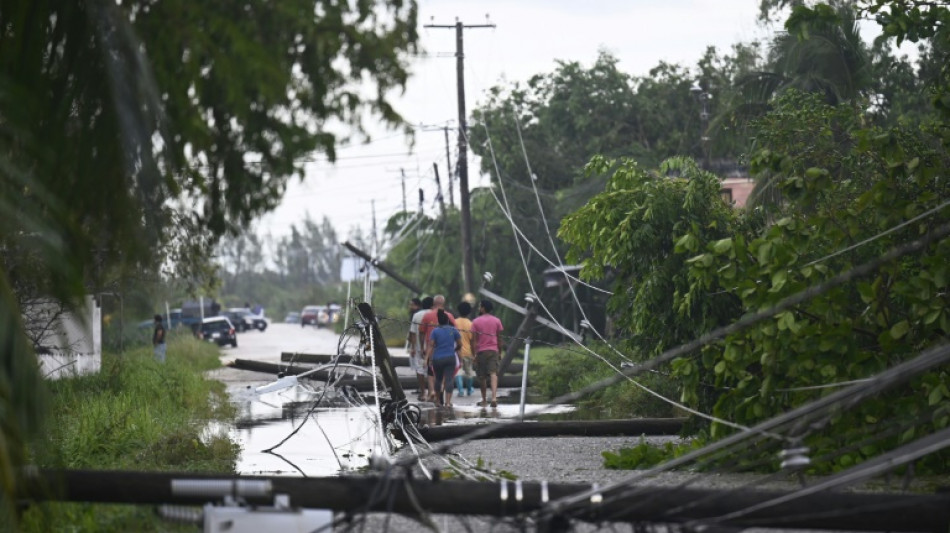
(292, 317)
(320, 315)
(257, 319)
(310, 314)
(241, 318)
(219, 330)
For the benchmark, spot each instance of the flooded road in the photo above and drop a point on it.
(338, 437)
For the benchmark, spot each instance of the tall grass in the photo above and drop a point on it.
(136, 414)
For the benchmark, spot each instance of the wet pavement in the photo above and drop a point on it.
(334, 439)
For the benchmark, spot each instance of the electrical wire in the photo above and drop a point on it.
(881, 234)
(506, 210)
(935, 235)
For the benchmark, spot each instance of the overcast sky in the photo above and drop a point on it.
(530, 35)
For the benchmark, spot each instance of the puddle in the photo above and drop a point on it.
(333, 439)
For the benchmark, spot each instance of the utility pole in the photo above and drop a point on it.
(403, 189)
(438, 187)
(375, 243)
(468, 266)
(448, 166)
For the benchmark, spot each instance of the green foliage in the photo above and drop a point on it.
(135, 414)
(645, 455)
(565, 370)
(843, 185)
(643, 229)
(135, 134)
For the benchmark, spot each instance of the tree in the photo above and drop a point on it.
(135, 131)
(640, 229)
(848, 193)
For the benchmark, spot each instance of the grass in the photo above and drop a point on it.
(557, 371)
(135, 414)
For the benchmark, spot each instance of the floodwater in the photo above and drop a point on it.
(284, 432)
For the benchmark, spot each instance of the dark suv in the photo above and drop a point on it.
(218, 329)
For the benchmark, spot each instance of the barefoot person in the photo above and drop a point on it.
(465, 378)
(486, 330)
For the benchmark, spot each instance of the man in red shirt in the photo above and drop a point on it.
(486, 330)
(429, 322)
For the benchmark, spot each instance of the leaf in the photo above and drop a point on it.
(936, 394)
(778, 280)
(722, 246)
(900, 329)
(764, 253)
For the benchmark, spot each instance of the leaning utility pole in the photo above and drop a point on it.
(468, 266)
(448, 165)
(438, 188)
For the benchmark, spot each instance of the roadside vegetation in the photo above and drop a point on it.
(136, 414)
(555, 371)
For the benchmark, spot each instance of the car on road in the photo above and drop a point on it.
(310, 315)
(257, 319)
(292, 317)
(321, 316)
(240, 318)
(219, 330)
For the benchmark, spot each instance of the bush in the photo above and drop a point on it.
(570, 369)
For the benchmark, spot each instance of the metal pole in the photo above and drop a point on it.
(346, 315)
(524, 375)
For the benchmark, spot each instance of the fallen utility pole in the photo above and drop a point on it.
(384, 267)
(634, 427)
(524, 329)
(517, 308)
(361, 384)
(381, 353)
(324, 358)
(852, 511)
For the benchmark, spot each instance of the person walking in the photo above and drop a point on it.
(429, 322)
(158, 339)
(465, 378)
(445, 341)
(488, 344)
(417, 357)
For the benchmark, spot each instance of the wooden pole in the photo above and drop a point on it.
(530, 317)
(567, 428)
(382, 354)
(384, 267)
(827, 511)
(323, 358)
(361, 384)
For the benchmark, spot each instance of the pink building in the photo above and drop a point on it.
(736, 190)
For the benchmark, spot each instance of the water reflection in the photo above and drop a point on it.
(334, 438)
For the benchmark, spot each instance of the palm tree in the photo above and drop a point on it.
(826, 55)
